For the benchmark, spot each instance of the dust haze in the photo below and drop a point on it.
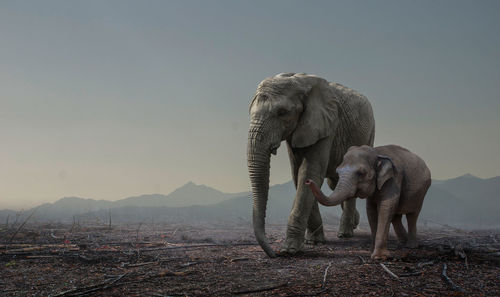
(124, 129)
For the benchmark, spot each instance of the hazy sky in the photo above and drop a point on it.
(109, 99)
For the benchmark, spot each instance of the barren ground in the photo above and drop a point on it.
(170, 260)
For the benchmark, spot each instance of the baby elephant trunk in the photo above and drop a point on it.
(343, 191)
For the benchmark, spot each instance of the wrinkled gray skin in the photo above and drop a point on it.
(319, 121)
(394, 181)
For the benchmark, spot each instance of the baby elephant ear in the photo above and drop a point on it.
(385, 170)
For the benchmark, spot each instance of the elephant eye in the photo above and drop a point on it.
(361, 172)
(282, 112)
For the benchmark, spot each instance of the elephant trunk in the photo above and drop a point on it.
(258, 159)
(343, 191)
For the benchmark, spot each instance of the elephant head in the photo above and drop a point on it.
(298, 108)
(360, 173)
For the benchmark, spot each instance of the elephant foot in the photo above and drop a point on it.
(345, 232)
(412, 244)
(402, 242)
(380, 254)
(292, 246)
(347, 225)
(316, 237)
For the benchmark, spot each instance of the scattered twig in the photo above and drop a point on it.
(239, 259)
(175, 231)
(361, 259)
(193, 263)
(18, 215)
(434, 292)
(312, 294)
(109, 213)
(197, 246)
(41, 256)
(161, 261)
(166, 273)
(459, 251)
(137, 236)
(269, 288)
(448, 281)
(389, 271)
(422, 264)
(82, 291)
(26, 250)
(88, 260)
(31, 247)
(201, 262)
(73, 225)
(325, 274)
(126, 265)
(410, 274)
(22, 225)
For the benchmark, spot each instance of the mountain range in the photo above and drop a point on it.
(465, 201)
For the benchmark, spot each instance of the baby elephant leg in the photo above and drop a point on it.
(386, 210)
(371, 211)
(399, 229)
(411, 218)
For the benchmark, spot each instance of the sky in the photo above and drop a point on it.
(111, 99)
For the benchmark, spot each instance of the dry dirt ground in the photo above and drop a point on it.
(170, 260)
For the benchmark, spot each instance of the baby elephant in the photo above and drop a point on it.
(395, 182)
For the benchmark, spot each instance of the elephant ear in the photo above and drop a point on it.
(385, 170)
(319, 118)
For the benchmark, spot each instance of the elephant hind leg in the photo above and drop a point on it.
(371, 212)
(411, 218)
(399, 229)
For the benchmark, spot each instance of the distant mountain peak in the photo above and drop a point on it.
(191, 186)
(468, 175)
(72, 199)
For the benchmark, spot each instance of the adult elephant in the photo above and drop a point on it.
(319, 121)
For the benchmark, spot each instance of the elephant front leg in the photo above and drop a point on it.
(386, 210)
(299, 217)
(307, 163)
(349, 220)
(314, 232)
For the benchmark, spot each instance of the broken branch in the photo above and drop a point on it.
(325, 274)
(422, 264)
(82, 291)
(22, 225)
(138, 264)
(269, 288)
(448, 280)
(361, 259)
(389, 271)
